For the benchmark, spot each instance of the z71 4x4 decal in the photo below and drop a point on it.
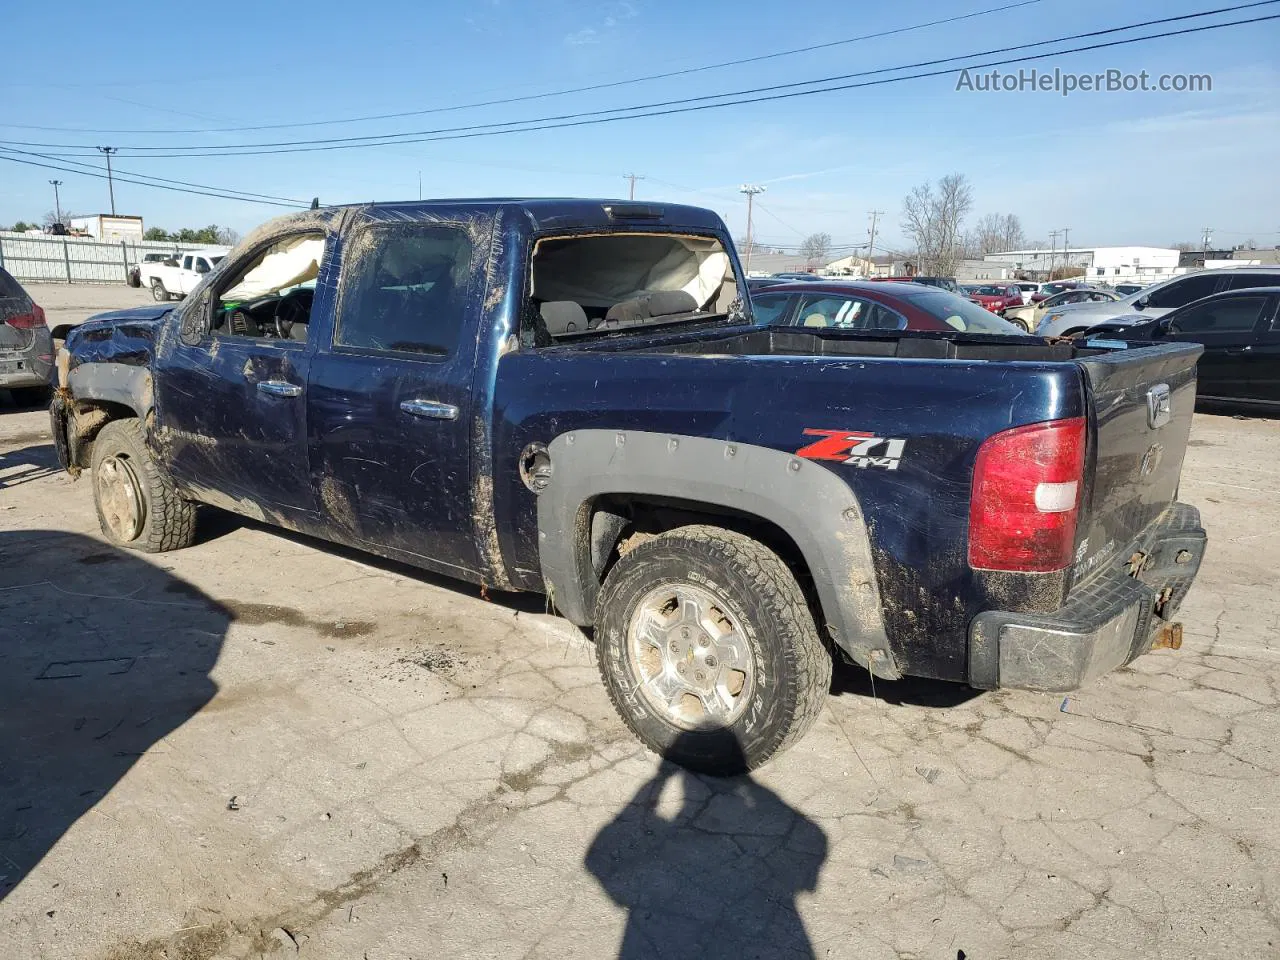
(854, 447)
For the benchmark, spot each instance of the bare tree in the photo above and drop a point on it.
(1186, 246)
(1012, 236)
(816, 246)
(931, 220)
(50, 218)
(228, 237)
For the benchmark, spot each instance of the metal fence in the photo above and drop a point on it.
(74, 259)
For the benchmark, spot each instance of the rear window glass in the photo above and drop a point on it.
(960, 314)
(10, 287)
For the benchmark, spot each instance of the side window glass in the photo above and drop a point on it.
(768, 308)
(1181, 292)
(841, 312)
(268, 296)
(406, 289)
(186, 263)
(1228, 315)
(1243, 281)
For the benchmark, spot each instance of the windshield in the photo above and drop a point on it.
(990, 291)
(959, 313)
(583, 284)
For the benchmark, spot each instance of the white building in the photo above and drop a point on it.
(1109, 265)
(109, 227)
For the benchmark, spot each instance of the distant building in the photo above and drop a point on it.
(1100, 265)
(850, 266)
(109, 228)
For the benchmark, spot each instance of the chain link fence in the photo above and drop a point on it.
(76, 259)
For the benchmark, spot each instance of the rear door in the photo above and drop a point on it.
(1229, 328)
(389, 399)
(1264, 367)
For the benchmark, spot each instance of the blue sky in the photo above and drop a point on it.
(1114, 167)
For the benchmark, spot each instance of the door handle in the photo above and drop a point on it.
(279, 388)
(1236, 351)
(429, 409)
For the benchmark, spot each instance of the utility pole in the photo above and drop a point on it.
(1208, 237)
(57, 205)
(1066, 257)
(750, 190)
(110, 185)
(419, 184)
(871, 245)
(1053, 249)
(633, 177)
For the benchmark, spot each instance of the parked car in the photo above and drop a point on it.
(997, 297)
(1029, 289)
(1053, 288)
(862, 305)
(178, 275)
(1124, 289)
(1240, 332)
(1028, 317)
(135, 272)
(26, 345)
(1156, 300)
(795, 276)
(756, 284)
(946, 283)
(570, 397)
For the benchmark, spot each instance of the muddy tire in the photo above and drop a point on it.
(709, 650)
(158, 291)
(138, 505)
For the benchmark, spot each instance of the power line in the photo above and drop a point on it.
(158, 186)
(288, 201)
(691, 104)
(560, 93)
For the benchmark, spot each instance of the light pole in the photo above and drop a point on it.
(750, 190)
(57, 204)
(110, 185)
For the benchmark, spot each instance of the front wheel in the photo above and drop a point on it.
(709, 651)
(138, 505)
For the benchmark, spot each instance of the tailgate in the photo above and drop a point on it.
(1142, 401)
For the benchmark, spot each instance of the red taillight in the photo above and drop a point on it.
(1026, 497)
(28, 321)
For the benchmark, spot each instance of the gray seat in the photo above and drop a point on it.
(563, 316)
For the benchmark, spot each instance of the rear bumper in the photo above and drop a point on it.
(1106, 623)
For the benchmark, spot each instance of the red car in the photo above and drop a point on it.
(998, 297)
(862, 305)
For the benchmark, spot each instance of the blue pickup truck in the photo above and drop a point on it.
(571, 397)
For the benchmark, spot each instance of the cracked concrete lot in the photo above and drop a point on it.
(265, 746)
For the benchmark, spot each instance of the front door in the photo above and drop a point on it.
(389, 404)
(231, 387)
(1228, 327)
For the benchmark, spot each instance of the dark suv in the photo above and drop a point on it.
(26, 346)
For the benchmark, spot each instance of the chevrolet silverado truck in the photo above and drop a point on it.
(570, 397)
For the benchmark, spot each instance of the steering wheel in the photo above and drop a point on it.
(288, 311)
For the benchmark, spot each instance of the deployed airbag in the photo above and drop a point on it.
(601, 271)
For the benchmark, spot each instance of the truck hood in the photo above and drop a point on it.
(120, 336)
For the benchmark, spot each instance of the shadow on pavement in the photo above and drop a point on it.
(848, 678)
(102, 655)
(714, 876)
(27, 463)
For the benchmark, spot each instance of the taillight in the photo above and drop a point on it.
(28, 321)
(1026, 497)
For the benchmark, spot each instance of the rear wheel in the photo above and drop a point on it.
(1021, 322)
(138, 505)
(709, 651)
(158, 290)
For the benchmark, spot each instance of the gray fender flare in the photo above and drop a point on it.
(809, 502)
(115, 383)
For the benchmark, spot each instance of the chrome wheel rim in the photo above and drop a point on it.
(690, 656)
(120, 498)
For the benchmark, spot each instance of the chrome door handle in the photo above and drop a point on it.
(429, 409)
(279, 388)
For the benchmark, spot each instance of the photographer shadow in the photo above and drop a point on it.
(709, 867)
(102, 655)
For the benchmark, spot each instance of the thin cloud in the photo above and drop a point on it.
(582, 37)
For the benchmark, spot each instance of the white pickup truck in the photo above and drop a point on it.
(178, 276)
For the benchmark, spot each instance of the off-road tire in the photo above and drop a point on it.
(169, 521)
(770, 609)
(158, 291)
